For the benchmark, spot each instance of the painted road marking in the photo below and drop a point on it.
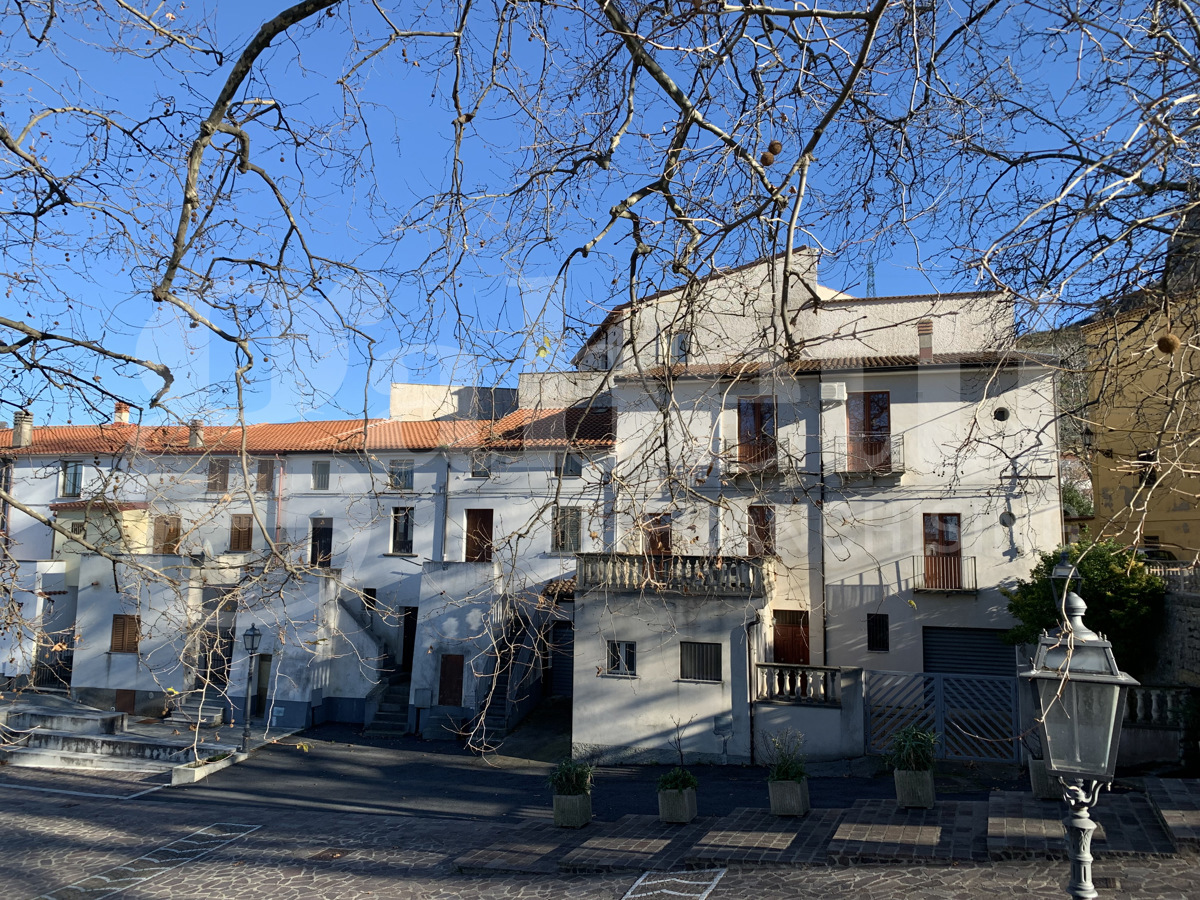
(164, 859)
(45, 790)
(694, 885)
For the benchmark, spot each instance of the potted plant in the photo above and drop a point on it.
(571, 782)
(677, 796)
(787, 778)
(912, 759)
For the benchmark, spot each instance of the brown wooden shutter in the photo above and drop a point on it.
(125, 634)
(479, 535)
(241, 533)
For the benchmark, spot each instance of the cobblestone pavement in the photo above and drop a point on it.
(73, 846)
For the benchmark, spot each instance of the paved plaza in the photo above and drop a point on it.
(70, 836)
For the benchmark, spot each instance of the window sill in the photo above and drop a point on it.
(696, 681)
(403, 555)
(619, 676)
(562, 554)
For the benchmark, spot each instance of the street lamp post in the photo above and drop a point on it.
(251, 638)
(1082, 697)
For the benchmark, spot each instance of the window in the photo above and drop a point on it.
(878, 640)
(265, 482)
(218, 475)
(869, 432)
(699, 662)
(756, 432)
(567, 529)
(166, 534)
(126, 633)
(479, 535)
(481, 465)
(321, 545)
(622, 658)
(78, 529)
(72, 478)
(320, 475)
(657, 529)
(762, 531)
(241, 533)
(1147, 468)
(568, 465)
(402, 529)
(675, 347)
(400, 474)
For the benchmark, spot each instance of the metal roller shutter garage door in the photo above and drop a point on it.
(967, 651)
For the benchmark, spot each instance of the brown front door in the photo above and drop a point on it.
(791, 637)
(869, 431)
(450, 684)
(479, 536)
(943, 551)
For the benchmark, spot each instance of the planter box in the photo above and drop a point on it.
(189, 774)
(677, 806)
(789, 798)
(572, 810)
(1045, 787)
(914, 788)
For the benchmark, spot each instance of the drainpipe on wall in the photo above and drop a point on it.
(445, 559)
(751, 680)
(821, 520)
(279, 499)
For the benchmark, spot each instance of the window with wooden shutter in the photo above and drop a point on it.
(241, 533)
(265, 481)
(762, 531)
(756, 448)
(166, 534)
(218, 475)
(126, 632)
(568, 526)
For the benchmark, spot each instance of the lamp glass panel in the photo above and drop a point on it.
(251, 638)
(1079, 724)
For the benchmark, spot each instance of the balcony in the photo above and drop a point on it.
(711, 576)
(790, 683)
(868, 454)
(757, 457)
(944, 574)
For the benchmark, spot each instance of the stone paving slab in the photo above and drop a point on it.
(531, 847)
(880, 832)
(1178, 804)
(1022, 827)
(635, 844)
(755, 837)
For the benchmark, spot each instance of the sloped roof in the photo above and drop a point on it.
(846, 363)
(524, 428)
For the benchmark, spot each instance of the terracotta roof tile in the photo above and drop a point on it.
(541, 428)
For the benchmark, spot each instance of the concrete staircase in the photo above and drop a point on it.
(201, 708)
(85, 738)
(392, 718)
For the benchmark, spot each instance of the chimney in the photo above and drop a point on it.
(22, 435)
(925, 339)
(121, 413)
(196, 433)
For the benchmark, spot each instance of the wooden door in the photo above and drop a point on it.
(869, 431)
(479, 535)
(756, 432)
(262, 686)
(943, 551)
(762, 531)
(450, 682)
(791, 637)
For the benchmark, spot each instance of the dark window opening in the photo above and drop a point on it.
(699, 662)
(878, 638)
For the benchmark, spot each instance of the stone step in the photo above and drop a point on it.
(375, 731)
(31, 757)
(389, 706)
(390, 719)
(121, 746)
(211, 715)
(75, 721)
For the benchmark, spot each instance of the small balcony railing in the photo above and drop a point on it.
(789, 683)
(868, 454)
(724, 576)
(754, 457)
(944, 574)
(1180, 577)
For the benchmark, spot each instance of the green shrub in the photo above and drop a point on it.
(784, 756)
(678, 779)
(1125, 602)
(571, 778)
(913, 748)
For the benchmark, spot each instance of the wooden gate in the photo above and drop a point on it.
(976, 715)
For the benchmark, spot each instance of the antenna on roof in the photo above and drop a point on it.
(871, 272)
